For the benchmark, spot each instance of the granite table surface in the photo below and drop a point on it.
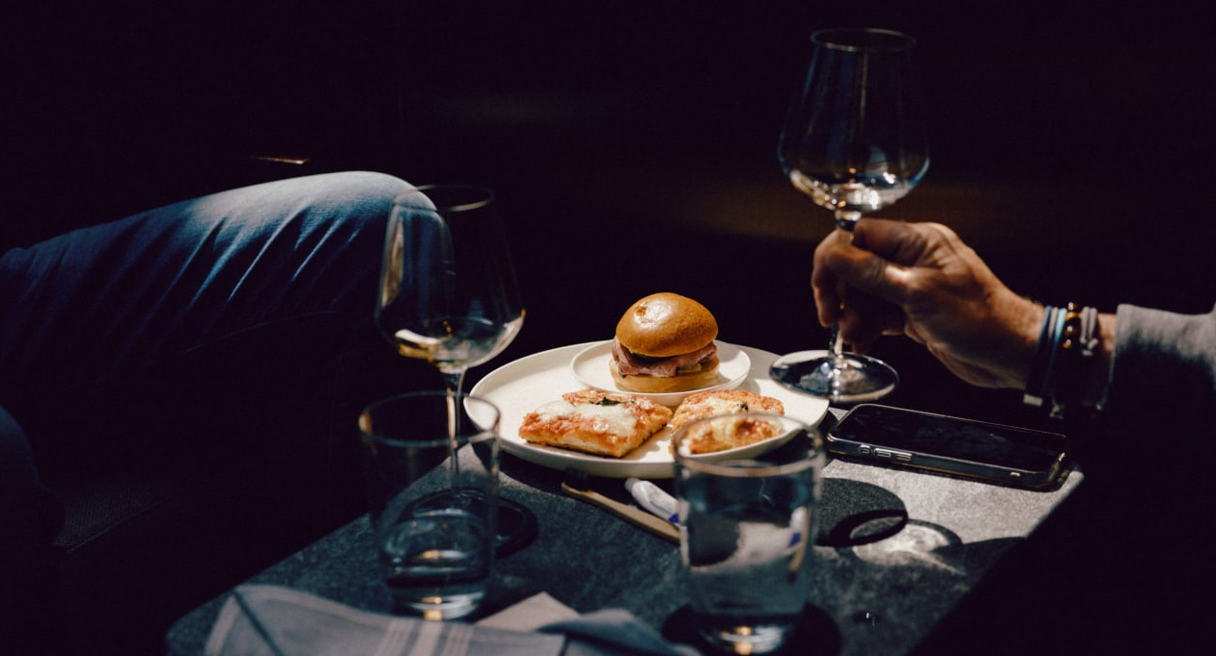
(897, 551)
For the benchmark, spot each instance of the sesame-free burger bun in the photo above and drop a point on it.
(666, 324)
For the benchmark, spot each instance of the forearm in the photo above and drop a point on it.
(1163, 360)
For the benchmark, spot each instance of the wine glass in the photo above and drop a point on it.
(447, 287)
(853, 141)
(448, 296)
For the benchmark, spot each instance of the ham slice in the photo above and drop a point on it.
(632, 365)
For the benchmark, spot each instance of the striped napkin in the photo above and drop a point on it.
(268, 620)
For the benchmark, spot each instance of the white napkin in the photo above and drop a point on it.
(530, 614)
(267, 620)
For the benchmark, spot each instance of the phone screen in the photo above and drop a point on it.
(951, 437)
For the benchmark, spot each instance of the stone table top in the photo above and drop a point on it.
(897, 551)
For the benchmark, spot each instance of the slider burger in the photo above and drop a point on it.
(665, 343)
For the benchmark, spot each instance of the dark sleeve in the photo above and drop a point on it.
(1164, 368)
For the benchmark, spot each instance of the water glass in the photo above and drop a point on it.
(747, 531)
(431, 468)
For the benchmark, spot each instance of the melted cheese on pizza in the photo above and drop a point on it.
(602, 423)
(728, 432)
(723, 402)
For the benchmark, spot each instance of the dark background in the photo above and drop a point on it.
(633, 144)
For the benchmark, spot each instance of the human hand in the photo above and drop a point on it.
(921, 280)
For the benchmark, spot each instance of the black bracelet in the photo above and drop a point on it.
(1068, 376)
(1040, 368)
(1065, 353)
(1077, 349)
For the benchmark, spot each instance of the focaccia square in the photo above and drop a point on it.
(730, 432)
(592, 421)
(723, 402)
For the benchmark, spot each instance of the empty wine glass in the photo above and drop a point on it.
(854, 142)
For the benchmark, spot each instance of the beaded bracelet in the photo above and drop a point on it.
(1066, 348)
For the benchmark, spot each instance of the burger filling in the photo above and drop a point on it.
(633, 364)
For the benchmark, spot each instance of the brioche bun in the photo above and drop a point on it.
(663, 326)
(666, 324)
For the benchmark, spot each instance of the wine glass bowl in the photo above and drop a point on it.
(448, 293)
(853, 142)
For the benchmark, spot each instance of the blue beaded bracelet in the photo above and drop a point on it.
(1067, 344)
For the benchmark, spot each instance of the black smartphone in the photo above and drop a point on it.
(997, 453)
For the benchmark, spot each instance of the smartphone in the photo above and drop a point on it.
(996, 453)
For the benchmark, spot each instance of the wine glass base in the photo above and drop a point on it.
(516, 527)
(861, 379)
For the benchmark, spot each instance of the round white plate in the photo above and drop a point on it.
(519, 387)
(590, 367)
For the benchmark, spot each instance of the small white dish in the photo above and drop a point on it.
(590, 367)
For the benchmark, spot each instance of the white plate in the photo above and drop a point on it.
(519, 387)
(590, 367)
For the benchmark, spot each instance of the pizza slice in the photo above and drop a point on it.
(730, 432)
(593, 421)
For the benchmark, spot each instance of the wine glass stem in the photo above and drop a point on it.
(845, 220)
(453, 381)
(836, 347)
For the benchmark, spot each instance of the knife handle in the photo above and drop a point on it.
(635, 516)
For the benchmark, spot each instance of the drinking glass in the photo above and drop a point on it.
(431, 469)
(447, 286)
(747, 530)
(854, 142)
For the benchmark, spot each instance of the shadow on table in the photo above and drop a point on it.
(854, 513)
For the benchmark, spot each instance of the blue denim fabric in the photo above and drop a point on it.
(84, 304)
(104, 301)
